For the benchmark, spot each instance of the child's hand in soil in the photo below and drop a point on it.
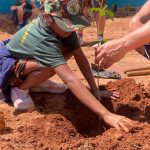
(108, 93)
(118, 122)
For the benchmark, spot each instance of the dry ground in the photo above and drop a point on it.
(60, 122)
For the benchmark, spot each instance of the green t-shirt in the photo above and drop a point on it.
(37, 41)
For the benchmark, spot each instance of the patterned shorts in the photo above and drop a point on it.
(16, 77)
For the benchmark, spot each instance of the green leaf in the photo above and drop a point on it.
(110, 14)
(95, 9)
(102, 13)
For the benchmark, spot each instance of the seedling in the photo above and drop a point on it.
(103, 11)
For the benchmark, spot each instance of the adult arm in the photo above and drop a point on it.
(141, 17)
(84, 95)
(115, 50)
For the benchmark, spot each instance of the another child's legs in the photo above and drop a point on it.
(100, 24)
(80, 31)
(20, 15)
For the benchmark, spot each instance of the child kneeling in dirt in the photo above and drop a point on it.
(46, 43)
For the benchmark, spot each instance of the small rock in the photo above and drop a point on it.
(19, 123)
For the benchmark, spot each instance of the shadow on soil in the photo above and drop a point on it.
(84, 121)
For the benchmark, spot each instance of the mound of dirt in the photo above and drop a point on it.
(60, 122)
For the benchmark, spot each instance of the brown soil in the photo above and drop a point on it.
(60, 122)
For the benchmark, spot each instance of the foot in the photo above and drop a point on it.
(50, 87)
(21, 99)
(109, 94)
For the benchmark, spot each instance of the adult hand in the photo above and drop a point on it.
(110, 53)
(118, 122)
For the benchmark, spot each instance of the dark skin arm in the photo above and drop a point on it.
(86, 70)
(86, 97)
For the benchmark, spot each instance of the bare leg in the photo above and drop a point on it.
(100, 23)
(36, 77)
(35, 74)
(20, 14)
(80, 31)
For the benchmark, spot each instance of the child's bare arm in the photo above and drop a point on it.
(86, 70)
(78, 89)
(84, 95)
